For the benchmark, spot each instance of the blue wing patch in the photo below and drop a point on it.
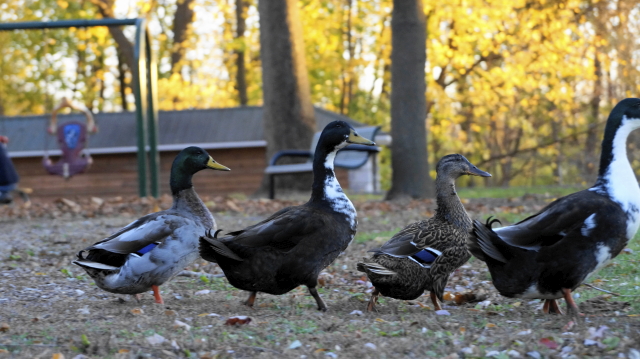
(146, 249)
(426, 256)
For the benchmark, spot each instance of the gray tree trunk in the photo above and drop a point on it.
(409, 160)
(241, 82)
(182, 19)
(288, 117)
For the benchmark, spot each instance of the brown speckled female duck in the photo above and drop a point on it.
(422, 255)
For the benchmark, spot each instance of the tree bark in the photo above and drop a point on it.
(123, 84)
(105, 7)
(409, 161)
(288, 114)
(241, 72)
(589, 166)
(181, 21)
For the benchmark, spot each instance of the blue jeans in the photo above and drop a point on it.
(8, 188)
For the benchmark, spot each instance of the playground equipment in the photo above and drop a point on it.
(72, 139)
(145, 74)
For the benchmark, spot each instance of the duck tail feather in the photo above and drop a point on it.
(488, 242)
(211, 248)
(375, 250)
(94, 265)
(374, 268)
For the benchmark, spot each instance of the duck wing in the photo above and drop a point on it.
(554, 222)
(139, 237)
(421, 241)
(281, 232)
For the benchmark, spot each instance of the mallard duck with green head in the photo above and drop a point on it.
(153, 249)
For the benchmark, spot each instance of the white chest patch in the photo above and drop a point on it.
(620, 180)
(589, 224)
(603, 255)
(335, 195)
(338, 200)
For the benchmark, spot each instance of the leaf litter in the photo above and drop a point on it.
(75, 319)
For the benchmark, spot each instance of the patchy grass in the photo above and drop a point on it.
(377, 236)
(51, 306)
(621, 276)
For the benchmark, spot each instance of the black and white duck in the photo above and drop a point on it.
(153, 249)
(292, 246)
(422, 255)
(549, 254)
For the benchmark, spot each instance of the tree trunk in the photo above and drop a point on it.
(288, 114)
(241, 77)
(123, 84)
(590, 161)
(181, 22)
(105, 7)
(409, 159)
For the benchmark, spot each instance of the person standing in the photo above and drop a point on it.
(8, 176)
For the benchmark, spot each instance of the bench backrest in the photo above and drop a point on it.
(349, 158)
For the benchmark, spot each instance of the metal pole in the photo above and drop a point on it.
(152, 119)
(139, 73)
(30, 25)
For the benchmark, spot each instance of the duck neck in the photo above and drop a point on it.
(324, 177)
(450, 208)
(615, 169)
(327, 190)
(616, 178)
(179, 179)
(188, 201)
(185, 198)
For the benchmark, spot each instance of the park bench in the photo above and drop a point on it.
(350, 157)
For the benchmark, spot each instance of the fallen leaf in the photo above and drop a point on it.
(549, 343)
(4, 327)
(57, 356)
(137, 311)
(295, 344)
(201, 292)
(238, 320)
(170, 313)
(490, 325)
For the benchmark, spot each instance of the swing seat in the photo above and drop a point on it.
(72, 140)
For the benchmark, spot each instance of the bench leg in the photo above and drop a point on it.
(272, 186)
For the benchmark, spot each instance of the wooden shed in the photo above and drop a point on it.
(233, 137)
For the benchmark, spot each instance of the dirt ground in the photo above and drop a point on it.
(50, 308)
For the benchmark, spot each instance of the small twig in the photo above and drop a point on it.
(602, 290)
(188, 273)
(612, 293)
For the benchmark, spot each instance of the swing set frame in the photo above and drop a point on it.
(145, 80)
